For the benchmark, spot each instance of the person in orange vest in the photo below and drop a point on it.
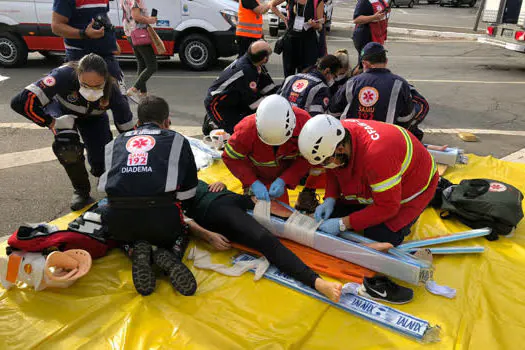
(263, 153)
(250, 25)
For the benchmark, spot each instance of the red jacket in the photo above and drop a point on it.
(379, 29)
(250, 159)
(390, 170)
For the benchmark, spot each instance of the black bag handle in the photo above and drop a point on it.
(477, 187)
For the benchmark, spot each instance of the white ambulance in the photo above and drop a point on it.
(505, 24)
(200, 31)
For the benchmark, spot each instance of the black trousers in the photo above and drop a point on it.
(227, 216)
(300, 51)
(146, 65)
(161, 226)
(379, 233)
(243, 43)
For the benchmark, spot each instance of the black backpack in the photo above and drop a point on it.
(480, 203)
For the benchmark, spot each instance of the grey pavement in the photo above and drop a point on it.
(468, 85)
(422, 16)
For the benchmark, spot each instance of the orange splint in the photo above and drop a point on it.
(320, 262)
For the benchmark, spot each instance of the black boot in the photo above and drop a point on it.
(80, 200)
(180, 276)
(141, 270)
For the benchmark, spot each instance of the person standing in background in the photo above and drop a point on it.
(86, 28)
(135, 17)
(250, 25)
(305, 18)
(371, 24)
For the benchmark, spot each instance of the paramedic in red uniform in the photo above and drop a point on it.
(371, 24)
(380, 178)
(250, 24)
(263, 153)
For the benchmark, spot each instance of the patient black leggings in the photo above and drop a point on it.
(227, 216)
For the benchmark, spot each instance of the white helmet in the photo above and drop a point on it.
(275, 120)
(319, 138)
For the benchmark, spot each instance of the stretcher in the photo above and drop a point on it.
(321, 263)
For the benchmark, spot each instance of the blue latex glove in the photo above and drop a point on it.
(330, 226)
(325, 210)
(277, 188)
(260, 191)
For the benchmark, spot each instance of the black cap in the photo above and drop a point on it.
(372, 48)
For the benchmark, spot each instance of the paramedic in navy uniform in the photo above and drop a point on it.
(150, 178)
(376, 94)
(73, 20)
(73, 101)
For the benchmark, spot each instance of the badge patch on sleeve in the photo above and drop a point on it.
(49, 81)
(300, 85)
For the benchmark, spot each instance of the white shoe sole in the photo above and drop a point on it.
(362, 292)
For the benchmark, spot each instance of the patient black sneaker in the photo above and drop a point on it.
(180, 276)
(141, 269)
(381, 288)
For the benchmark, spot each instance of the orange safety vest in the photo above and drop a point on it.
(250, 24)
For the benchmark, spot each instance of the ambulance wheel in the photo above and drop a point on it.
(411, 4)
(472, 3)
(13, 50)
(197, 52)
(274, 31)
(394, 4)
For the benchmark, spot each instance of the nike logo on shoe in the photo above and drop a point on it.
(382, 295)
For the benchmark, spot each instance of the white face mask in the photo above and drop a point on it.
(331, 165)
(340, 77)
(90, 94)
(331, 82)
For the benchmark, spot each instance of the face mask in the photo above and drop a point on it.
(340, 77)
(90, 94)
(331, 166)
(331, 82)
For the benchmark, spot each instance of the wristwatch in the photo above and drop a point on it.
(342, 226)
(82, 33)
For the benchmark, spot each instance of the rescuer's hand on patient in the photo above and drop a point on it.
(326, 209)
(277, 188)
(331, 226)
(260, 191)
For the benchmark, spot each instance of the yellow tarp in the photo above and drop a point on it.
(103, 311)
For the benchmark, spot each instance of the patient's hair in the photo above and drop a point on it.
(153, 109)
(342, 55)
